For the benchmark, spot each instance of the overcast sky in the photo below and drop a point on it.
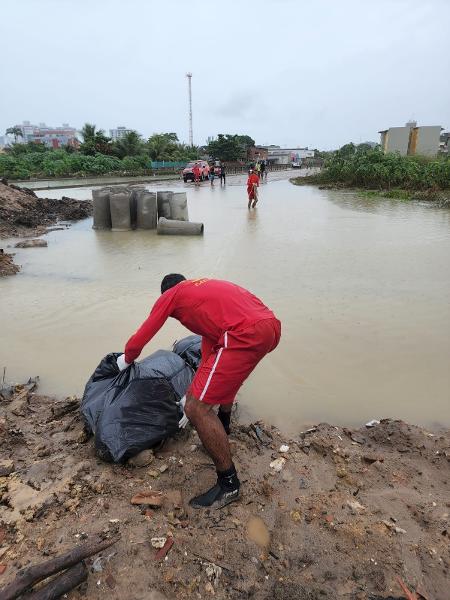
(315, 73)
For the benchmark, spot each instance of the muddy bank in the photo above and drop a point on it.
(22, 213)
(7, 266)
(348, 512)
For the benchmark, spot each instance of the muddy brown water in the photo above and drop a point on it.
(362, 288)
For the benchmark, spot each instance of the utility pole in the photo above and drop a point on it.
(191, 135)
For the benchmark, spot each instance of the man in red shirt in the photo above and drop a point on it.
(237, 331)
(252, 188)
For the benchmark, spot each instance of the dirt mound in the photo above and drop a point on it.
(7, 266)
(348, 512)
(23, 213)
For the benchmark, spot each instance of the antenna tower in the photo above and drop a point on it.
(191, 135)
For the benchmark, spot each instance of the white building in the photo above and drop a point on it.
(119, 133)
(411, 140)
(286, 156)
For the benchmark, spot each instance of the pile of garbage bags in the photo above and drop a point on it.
(131, 410)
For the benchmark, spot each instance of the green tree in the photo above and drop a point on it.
(95, 141)
(230, 147)
(131, 144)
(16, 131)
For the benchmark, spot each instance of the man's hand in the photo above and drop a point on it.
(121, 364)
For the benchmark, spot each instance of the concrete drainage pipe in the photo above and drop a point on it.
(146, 210)
(178, 206)
(164, 204)
(170, 227)
(120, 204)
(102, 212)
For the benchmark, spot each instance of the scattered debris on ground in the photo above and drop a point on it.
(352, 513)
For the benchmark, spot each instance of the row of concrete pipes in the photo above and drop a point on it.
(122, 208)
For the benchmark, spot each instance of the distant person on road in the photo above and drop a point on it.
(252, 188)
(262, 169)
(211, 175)
(223, 174)
(237, 331)
(197, 172)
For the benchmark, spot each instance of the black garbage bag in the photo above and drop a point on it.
(190, 350)
(131, 410)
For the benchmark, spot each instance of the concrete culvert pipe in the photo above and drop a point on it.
(101, 210)
(120, 204)
(178, 207)
(171, 227)
(164, 204)
(134, 191)
(146, 210)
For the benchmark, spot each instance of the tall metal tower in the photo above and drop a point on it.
(191, 135)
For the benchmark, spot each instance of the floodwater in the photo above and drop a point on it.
(362, 288)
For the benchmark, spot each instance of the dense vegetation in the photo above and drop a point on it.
(230, 147)
(364, 167)
(100, 155)
(96, 155)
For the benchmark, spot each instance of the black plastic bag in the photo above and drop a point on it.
(131, 410)
(190, 350)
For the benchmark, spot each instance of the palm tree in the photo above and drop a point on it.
(88, 132)
(16, 131)
(130, 144)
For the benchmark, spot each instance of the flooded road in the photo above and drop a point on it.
(361, 286)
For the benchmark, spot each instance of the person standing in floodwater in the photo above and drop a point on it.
(196, 172)
(262, 169)
(237, 331)
(222, 174)
(211, 175)
(252, 188)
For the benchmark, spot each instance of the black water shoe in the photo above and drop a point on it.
(226, 490)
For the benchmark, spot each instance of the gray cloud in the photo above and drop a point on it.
(319, 73)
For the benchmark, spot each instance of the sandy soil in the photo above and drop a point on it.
(349, 512)
(23, 214)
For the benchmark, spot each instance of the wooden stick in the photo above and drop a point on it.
(27, 577)
(61, 584)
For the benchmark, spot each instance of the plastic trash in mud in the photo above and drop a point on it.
(372, 423)
(135, 409)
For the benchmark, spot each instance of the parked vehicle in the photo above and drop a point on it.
(297, 164)
(188, 173)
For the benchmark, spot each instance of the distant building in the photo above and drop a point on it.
(411, 140)
(286, 156)
(53, 137)
(119, 132)
(444, 145)
(255, 153)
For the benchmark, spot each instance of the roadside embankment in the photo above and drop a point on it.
(329, 513)
(23, 214)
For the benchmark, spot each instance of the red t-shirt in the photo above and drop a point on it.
(208, 307)
(253, 178)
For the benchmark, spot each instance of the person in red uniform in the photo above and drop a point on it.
(196, 171)
(252, 188)
(237, 331)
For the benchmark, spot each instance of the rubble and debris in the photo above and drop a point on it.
(143, 459)
(34, 243)
(148, 497)
(277, 464)
(315, 535)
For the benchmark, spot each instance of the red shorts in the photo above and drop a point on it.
(251, 192)
(227, 364)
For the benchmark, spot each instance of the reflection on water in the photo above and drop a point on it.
(361, 287)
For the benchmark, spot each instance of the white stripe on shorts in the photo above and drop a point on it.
(219, 354)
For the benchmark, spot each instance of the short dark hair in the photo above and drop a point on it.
(170, 280)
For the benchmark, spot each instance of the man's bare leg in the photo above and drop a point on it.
(212, 434)
(224, 415)
(210, 431)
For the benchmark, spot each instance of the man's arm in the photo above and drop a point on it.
(161, 311)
